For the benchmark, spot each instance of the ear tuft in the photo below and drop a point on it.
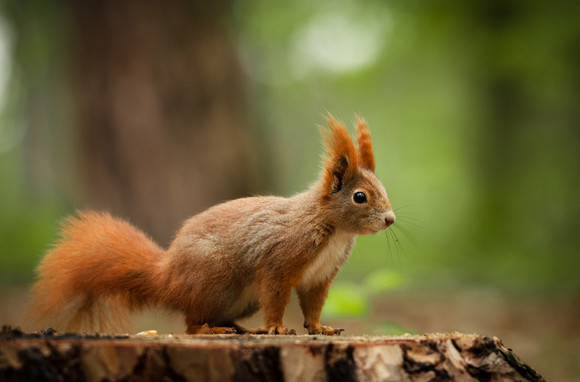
(342, 161)
(365, 145)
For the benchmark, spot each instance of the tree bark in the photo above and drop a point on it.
(443, 357)
(161, 116)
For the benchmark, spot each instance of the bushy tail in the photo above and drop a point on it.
(100, 270)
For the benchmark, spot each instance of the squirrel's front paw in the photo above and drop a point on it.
(281, 330)
(325, 330)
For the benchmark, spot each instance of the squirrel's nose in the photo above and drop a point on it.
(390, 218)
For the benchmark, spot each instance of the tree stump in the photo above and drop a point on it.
(438, 357)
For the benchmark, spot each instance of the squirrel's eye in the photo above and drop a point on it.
(359, 197)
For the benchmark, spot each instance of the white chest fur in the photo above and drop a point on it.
(329, 259)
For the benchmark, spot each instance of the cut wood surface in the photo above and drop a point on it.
(437, 357)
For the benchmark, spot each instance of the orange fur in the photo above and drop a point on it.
(224, 263)
(342, 160)
(365, 145)
(100, 266)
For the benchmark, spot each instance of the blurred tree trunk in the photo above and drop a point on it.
(504, 108)
(161, 116)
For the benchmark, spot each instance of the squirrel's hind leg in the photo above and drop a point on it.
(243, 330)
(282, 330)
(206, 329)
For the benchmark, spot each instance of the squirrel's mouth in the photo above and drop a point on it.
(381, 226)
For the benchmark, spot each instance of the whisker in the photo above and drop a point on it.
(402, 208)
(411, 220)
(407, 233)
(397, 243)
(395, 236)
(409, 217)
(389, 250)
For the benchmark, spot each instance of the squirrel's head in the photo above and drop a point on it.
(352, 196)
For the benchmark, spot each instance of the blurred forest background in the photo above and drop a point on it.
(155, 111)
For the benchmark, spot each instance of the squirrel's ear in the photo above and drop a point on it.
(342, 162)
(365, 145)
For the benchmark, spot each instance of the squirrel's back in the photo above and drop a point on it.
(100, 269)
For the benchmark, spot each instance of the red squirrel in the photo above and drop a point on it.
(224, 263)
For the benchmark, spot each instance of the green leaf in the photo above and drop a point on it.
(346, 300)
(384, 280)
